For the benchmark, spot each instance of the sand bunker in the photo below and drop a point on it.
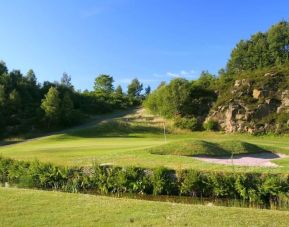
(260, 159)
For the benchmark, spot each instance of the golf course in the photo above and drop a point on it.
(144, 113)
(132, 140)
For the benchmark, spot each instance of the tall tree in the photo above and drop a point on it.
(103, 84)
(66, 80)
(51, 106)
(67, 108)
(14, 100)
(147, 90)
(134, 88)
(31, 77)
(2, 96)
(278, 39)
(3, 68)
(118, 91)
(206, 79)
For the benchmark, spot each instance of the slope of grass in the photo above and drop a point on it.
(126, 141)
(19, 207)
(206, 148)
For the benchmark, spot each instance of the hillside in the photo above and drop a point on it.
(251, 94)
(257, 102)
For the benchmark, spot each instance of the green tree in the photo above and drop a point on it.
(31, 77)
(14, 100)
(66, 80)
(134, 90)
(120, 99)
(3, 68)
(103, 84)
(147, 90)
(51, 106)
(261, 50)
(2, 108)
(118, 92)
(2, 96)
(67, 109)
(206, 80)
(278, 38)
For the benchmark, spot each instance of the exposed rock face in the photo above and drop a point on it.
(284, 107)
(259, 93)
(250, 106)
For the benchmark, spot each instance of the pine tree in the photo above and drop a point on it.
(67, 108)
(51, 106)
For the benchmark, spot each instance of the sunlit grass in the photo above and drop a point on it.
(20, 207)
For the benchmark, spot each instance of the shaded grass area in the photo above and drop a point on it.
(206, 148)
(20, 207)
(116, 128)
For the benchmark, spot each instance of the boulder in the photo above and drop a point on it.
(260, 93)
(269, 74)
(238, 83)
(284, 107)
(256, 94)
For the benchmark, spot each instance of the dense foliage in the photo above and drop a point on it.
(30, 107)
(183, 99)
(262, 49)
(252, 187)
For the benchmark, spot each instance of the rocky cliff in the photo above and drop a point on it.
(254, 104)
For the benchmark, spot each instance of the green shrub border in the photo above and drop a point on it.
(251, 187)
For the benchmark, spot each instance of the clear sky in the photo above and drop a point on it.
(153, 40)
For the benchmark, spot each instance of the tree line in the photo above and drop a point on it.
(29, 106)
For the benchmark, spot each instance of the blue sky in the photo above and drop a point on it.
(153, 40)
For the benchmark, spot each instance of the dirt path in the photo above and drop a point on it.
(90, 123)
(261, 159)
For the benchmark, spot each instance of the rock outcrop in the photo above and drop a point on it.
(252, 106)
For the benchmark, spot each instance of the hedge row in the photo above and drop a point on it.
(252, 187)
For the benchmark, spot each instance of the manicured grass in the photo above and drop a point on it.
(127, 141)
(206, 148)
(19, 207)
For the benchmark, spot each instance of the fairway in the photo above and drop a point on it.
(126, 141)
(20, 207)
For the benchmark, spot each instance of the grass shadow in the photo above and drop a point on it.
(202, 148)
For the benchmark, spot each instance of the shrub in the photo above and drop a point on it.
(252, 187)
(211, 125)
(189, 183)
(186, 123)
(163, 181)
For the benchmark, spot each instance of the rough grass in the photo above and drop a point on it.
(126, 141)
(19, 207)
(206, 148)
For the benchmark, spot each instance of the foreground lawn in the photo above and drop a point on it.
(19, 207)
(117, 142)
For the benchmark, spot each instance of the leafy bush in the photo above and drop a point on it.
(163, 181)
(186, 123)
(211, 125)
(253, 187)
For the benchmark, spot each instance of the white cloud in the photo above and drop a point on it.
(172, 74)
(128, 80)
(182, 73)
